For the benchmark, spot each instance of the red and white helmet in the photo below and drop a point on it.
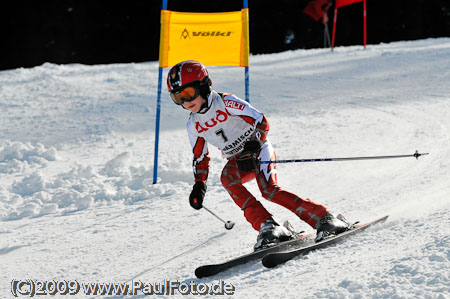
(189, 73)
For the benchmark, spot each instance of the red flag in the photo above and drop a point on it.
(340, 3)
(317, 9)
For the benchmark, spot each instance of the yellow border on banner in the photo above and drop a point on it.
(245, 42)
(171, 17)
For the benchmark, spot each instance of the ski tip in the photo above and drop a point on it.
(199, 272)
(268, 262)
(382, 219)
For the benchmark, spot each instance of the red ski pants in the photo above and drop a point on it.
(233, 179)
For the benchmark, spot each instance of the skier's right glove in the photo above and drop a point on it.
(197, 195)
(246, 161)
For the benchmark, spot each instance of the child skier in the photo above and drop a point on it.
(240, 132)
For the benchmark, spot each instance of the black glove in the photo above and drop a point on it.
(197, 195)
(247, 159)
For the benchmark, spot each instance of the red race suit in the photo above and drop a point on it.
(227, 122)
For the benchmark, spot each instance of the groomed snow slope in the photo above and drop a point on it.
(76, 163)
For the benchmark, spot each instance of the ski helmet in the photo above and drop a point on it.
(189, 73)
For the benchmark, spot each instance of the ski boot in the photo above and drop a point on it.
(330, 225)
(270, 234)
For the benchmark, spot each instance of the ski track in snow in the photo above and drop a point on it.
(76, 168)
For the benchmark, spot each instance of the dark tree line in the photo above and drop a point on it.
(100, 31)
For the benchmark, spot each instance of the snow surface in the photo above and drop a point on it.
(76, 164)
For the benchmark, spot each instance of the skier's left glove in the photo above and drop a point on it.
(197, 194)
(247, 159)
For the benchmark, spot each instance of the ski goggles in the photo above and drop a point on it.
(187, 94)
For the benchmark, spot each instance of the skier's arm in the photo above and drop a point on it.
(246, 161)
(200, 163)
(262, 129)
(200, 166)
(238, 107)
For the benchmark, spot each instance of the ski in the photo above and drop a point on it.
(209, 270)
(272, 259)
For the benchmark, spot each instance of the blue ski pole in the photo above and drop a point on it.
(415, 155)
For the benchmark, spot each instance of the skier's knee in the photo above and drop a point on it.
(224, 179)
(269, 192)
